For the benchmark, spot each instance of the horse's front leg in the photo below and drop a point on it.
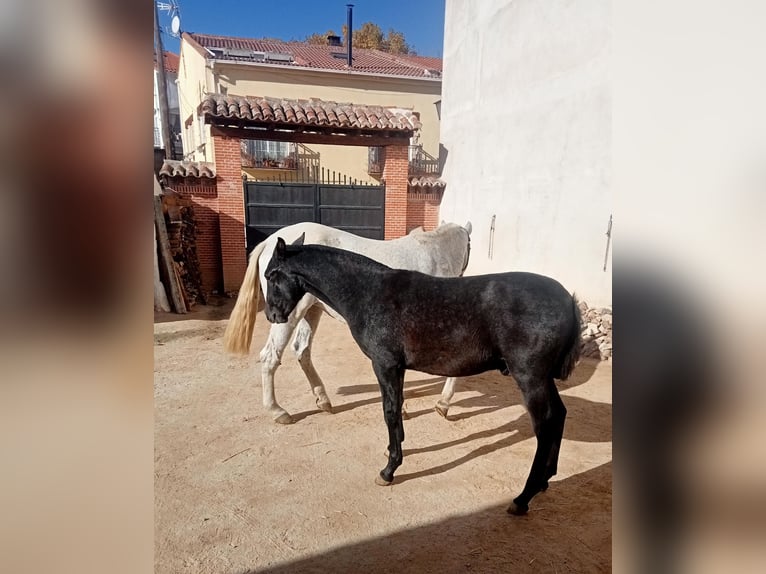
(442, 405)
(391, 381)
(271, 358)
(304, 336)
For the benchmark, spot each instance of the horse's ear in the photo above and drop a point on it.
(468, 227)
(300, 240)
(442, 223)
(280, 249)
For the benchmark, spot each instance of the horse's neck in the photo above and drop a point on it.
(341, 281)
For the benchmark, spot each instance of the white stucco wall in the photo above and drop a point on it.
(527, 126)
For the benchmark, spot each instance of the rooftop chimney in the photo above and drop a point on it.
(333, 41)
(350, 28)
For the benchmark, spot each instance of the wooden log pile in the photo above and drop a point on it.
(182, 238)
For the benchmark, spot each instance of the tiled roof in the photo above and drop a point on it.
(428, 181)
(313, 112)
(197, 169)
(172, 62)
(318, 56)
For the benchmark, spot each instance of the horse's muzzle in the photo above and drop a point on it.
(275, 316)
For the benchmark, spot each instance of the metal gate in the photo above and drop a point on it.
(270, 206)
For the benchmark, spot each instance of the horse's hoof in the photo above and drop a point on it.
(284, 419)
(442, 408)
(380, 481)
(517, 509)
(325, 406)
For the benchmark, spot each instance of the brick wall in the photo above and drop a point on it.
(208, 242)
(204, 198)
(231, 210)
(395, 171)
(423, 210)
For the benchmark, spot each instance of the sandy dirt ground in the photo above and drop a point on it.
(237, 493)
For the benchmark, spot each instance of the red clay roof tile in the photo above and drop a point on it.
(427, 181)
(196, 169)
(172, 62)
(313, 112)
(322, 57)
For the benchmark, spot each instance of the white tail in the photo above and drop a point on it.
(239, 331)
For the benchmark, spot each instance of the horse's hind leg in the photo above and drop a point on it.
(548, 414)
(558, 434)
(442, 405)
(304, 336)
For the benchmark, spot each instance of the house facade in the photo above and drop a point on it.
(280, 132)
(171, 62)
(534, 177)
(300, 71)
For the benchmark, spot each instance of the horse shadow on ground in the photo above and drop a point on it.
(587, 421)
(497, 391)
(568, 529)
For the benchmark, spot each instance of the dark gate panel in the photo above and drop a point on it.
(354, 209)
(270, 206)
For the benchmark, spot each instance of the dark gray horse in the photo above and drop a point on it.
(522, 324)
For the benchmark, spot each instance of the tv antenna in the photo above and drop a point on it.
(174, 11)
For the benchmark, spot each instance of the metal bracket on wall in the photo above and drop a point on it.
(608, 241)
(491, 237)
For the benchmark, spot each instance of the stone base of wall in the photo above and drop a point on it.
(596, 332)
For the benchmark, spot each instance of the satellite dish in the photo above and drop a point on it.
(175, 25)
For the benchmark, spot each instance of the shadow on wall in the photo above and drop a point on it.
(443, 153)
(569, 530)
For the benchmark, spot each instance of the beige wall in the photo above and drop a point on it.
(249, 80)
(526, 119)
(193, 81)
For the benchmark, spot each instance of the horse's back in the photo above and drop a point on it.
(480, 322)
(413, 252)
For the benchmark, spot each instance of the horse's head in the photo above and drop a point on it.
(284, 289)
(454, 248)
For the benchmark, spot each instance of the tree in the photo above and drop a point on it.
(319, 38)
(370, 36)
(396, 43)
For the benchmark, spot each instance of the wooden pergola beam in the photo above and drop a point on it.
(359, 138)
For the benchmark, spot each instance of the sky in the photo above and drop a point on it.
(421, 21)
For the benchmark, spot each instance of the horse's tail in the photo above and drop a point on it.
(239, 331)
(572, 353)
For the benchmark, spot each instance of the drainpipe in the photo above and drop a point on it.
(163, 86)
(349, 12)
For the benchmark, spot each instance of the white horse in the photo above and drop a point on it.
(443, 252)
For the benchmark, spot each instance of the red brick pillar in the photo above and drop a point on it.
(208, 241)
(231, 206)
(395, 169)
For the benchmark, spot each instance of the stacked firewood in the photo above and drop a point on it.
(182, 237)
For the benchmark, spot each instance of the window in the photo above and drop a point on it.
(375, 161)
(262, 153)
